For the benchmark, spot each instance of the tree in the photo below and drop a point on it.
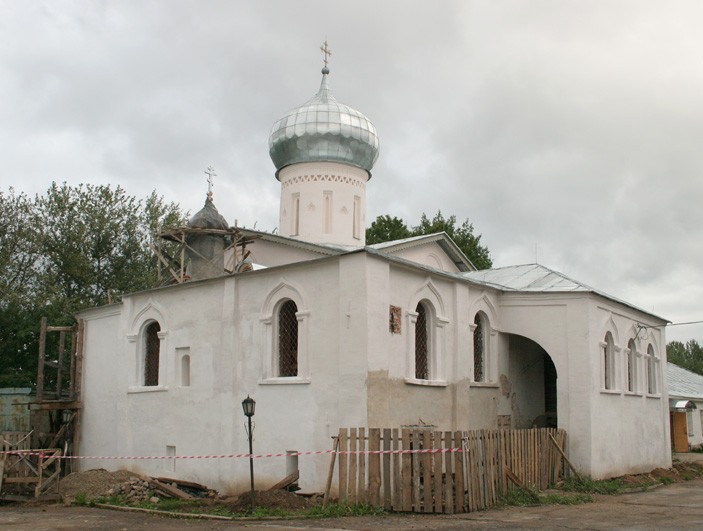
(387, 228)
(66, 250)
(689, 355)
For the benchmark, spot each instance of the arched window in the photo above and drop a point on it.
(422, 343)
(651, 370)
(608, 361)
(152, 346)
(632, 366)
(288, 339)
(480, 347)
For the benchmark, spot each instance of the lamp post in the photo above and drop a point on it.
(248, 405)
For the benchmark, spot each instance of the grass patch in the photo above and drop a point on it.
(664, 480)
(531, 497)
(592, 486)
(336, 510)
(196, 507)
(565, 499)
(80, 499)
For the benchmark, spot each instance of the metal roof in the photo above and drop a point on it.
(528, 277)
(322, 129)
(683, 383)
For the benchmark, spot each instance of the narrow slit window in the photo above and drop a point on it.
(152, 346)
(422, 369)
(288, 339)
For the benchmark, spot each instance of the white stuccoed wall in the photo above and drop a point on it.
(310, 181)
(358, 371)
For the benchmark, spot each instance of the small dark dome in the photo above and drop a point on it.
(208, 218)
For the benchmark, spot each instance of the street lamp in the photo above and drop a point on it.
(248, 405)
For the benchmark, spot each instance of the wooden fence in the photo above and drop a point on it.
(34, 472)
(443, 472)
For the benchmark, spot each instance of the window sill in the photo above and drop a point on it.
(611, 392)
(426, 383)
(632, 393)
(146, 389)
(292, 380)
(487, 385)
(653, 396)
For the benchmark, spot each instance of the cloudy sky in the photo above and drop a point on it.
(568, 133)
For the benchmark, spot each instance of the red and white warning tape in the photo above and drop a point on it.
(233, 456)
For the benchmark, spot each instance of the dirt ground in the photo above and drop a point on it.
(675, 506)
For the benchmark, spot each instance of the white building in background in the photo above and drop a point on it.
(686, 408)
(326, 332)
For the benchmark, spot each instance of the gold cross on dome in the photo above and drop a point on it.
(210, 172)
(326, 52)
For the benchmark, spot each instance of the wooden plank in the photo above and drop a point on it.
(415, 441)
(362, 484)
(343, 466)
(286, 481)
(190, 484)
(481, 470)
(397, 501)
(387, 481)
(471, 470)
(2, 468)
(374, 467)
(448, 474)
(406, 459)
(174, 492)
(563, 455)
(427, 472)
(59, 374)
(460, 505)
(330, 472)
(79, 366)
(353, 459)
(437, 470)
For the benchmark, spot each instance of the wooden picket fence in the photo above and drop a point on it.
(419, 470)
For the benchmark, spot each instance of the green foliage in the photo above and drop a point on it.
(528, 497)
(64, 251)
(592, 486)
(521, 497)
(566, 499)
(80, 499)
(337, 510)
(387, 228)
(689, 355)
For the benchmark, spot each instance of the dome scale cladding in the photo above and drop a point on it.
(322, 129)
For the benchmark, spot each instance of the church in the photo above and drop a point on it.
(326, 332)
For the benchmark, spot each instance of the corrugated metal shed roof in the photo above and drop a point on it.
(683, 383)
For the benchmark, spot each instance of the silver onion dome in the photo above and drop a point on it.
(322, 129)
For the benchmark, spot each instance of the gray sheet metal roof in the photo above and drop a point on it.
(536, 278)
(683, 383)
(528, 277)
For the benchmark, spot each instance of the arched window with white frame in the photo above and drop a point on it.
(285, 321)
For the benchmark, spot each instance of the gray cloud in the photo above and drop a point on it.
(567, 132)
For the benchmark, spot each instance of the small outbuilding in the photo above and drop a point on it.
(685, 408)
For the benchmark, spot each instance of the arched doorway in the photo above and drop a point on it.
(533, 384)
